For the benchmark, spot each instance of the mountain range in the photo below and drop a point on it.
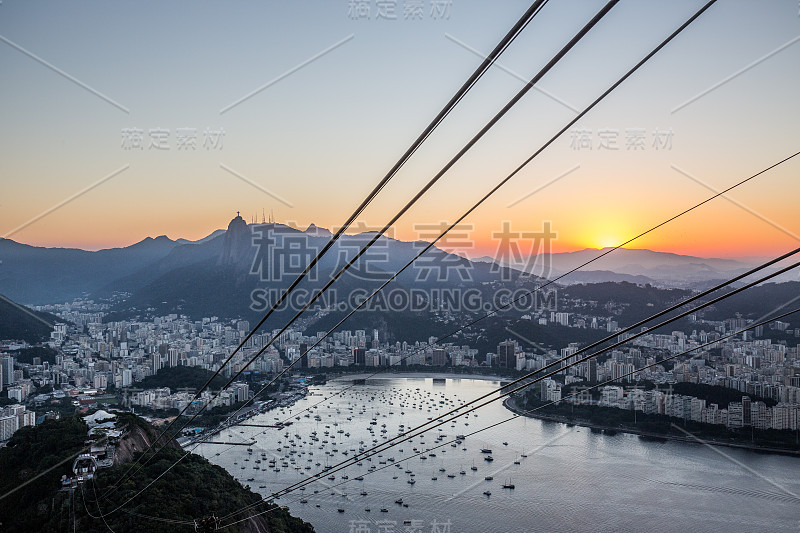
(218, 275)
(638, 266)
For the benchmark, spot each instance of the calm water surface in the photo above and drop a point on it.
(571, 480)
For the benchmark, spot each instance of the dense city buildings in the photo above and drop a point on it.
(94, 357)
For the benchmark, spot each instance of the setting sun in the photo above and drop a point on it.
(605, 237)
(607, 241)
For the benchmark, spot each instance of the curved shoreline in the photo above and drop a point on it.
(417, 375)
(508, 403)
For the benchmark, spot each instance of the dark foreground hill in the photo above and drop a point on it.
(191, 490)
(20, 323)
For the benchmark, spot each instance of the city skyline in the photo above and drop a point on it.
(303, 110)
(369, 265)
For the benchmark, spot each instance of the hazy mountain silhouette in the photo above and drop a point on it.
(218, 277)
(635, 265)
(37, 275)
(221, 270)
(18, 323)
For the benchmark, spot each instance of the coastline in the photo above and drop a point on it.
(258, 408)
(508, 403)
(417, 375)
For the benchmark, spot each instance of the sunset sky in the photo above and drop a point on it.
(318, 100)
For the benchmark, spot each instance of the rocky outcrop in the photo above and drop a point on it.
(136, 438)
(237, 244)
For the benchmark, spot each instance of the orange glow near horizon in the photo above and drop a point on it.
(607, 242)
(720, 230)
(743, 242)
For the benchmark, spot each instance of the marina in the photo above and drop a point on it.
(435, 477)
